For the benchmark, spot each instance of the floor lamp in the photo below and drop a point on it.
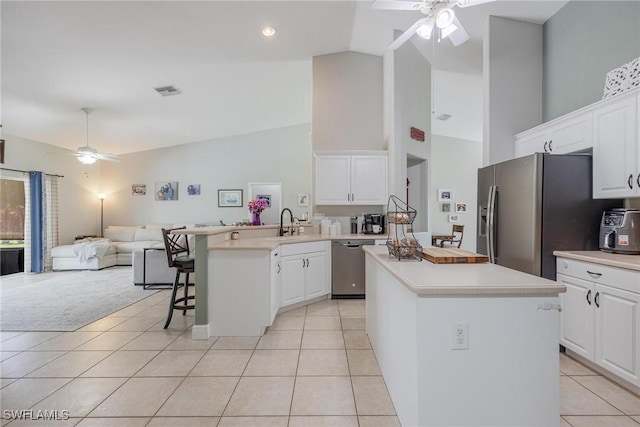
(101, 196)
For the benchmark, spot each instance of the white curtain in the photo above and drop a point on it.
(27, 224)
(52, 234)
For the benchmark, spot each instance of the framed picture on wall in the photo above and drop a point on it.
(138, 190)
(193, 189)
(229, 198)
(445, 195)
(454, 218)
(303, 200)
(446, 207)
(461, 207)
(167, 190)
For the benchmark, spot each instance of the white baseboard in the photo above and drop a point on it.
(200, 332)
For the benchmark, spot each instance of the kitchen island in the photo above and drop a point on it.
(242, 284)
(464, 344)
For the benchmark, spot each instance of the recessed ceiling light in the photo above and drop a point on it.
(269, 31)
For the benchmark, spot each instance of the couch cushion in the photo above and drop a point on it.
(67, 251)
(129, 247)
(120, 235)
(148, 234)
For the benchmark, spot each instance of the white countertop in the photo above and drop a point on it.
(425, 278)
(269, 242)
(630, 262)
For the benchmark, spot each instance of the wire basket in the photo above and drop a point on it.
(401, 242)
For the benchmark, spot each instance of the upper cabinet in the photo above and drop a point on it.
(565, 135)
(351, 179)
(616, 166)
(611, 128)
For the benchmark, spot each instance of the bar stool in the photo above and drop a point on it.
(178, 257)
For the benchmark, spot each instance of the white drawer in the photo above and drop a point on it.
(302, 248)
(628, 280)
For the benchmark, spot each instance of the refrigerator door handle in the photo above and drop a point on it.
(491, 213)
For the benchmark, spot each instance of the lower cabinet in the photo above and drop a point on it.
(600, 318)
(304, 272)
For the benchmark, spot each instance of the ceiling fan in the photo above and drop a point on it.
(440, 20)
(89, 155)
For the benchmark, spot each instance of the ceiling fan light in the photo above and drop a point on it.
(459, 35)
(426, 29)
(445, 18)
(87, 159)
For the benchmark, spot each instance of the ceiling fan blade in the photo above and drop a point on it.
(460, 35)
(396, 5)
(406, 35)
(467, 3)
(108, 157)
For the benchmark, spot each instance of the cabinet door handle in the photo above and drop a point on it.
(550, 148)
(545, 146)
(279, 268)
(353, 199)
(594, 274)
(597, 299)
(589, 296)
(630, 181)
(638, 180)
(307, 262)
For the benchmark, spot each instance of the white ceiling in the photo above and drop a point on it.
(58, 57)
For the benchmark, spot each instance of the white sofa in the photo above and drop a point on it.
(126, 247)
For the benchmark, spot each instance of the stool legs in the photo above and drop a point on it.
(172, 302)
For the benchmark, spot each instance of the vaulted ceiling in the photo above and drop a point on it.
(60, 56)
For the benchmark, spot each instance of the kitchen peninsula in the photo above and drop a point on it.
(464, 344)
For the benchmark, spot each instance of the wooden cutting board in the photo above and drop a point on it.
(452, 256)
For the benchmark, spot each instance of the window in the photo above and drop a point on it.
(12, 210)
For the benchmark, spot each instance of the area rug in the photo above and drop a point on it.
(69, 301)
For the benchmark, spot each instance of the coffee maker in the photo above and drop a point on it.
(373, 224)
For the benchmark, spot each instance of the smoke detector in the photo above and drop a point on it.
(443, 117)
(167, 90)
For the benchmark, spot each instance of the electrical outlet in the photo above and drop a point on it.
(460, 336)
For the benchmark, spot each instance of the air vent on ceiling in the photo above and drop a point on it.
(168, 90)
(443, 117)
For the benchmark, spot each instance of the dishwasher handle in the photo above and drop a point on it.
(352, 245)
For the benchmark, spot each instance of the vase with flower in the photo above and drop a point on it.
(256, 207)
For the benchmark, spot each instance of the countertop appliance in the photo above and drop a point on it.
(534, 205)
(347, 268)
(620, 231)
(373, 224)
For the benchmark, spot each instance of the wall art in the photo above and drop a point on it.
(167, 190)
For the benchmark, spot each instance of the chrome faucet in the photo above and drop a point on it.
(281, 232)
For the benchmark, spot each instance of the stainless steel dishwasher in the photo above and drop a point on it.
(347, 268)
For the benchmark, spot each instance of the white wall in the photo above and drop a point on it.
(278, 155)
(455, 166)
(347, 102)
(79, 203)
(512, 53)
(460, 95)
(411, 108)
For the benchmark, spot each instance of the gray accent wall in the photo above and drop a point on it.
(582, 42)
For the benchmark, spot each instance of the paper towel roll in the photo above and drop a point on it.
(324, 226)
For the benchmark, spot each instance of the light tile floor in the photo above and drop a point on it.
(313, 367)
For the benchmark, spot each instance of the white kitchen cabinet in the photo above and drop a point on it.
(275, 286)
(350, 179)
(616, 166)
(616, 332)
(568, 134)
(576, 320)
(304, 273)
(600, 317)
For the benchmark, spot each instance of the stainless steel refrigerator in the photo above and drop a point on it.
(534, 205)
